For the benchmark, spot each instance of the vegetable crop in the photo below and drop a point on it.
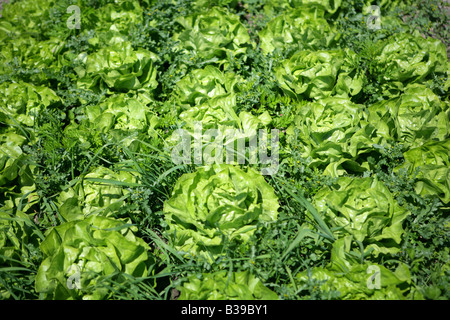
(348, 100)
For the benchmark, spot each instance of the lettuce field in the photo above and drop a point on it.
(224, 149)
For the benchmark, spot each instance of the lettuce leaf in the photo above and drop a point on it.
(334, 134)
(356, 283)
(21, 102)
(303, 28)
(101, 192)
(215, 35)
(217, 205)
(119, 68)
(404, 58)
(430, 165)
(96, 247)
(202, 84)
(319, 74)
(365, 209)
(413, 118)
(221, 285)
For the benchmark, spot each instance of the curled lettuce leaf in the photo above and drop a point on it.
(430, 164)
(222, 285)
(101, 192)
(221, 133)
(358, 282)
(215, 35)
(305, 28)
(95, 248)
(202, 84)
(319, 74)
(23, 101)
(12, 158)
(353, 278)
(403, 58)
(334, 134)
(331, 6)
(118, 67)
(120, 112)
(418, 115)
(217, 205)
(365, 209)
(118, 16)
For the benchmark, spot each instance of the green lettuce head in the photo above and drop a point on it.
(101, 192)
(365, 209)
(404, 58)
(220, 131)
(415, 117)
(302, 28)
(78, 255)
(319, 74)
(218, 205)
(430, 164)
(202, 84)
(21, 102)
(334, 134)
(352, 278)
(222, 285)
(119, 68)
(123, 114)
(363, 282)
(330, 6)
(118, 16)
(215, 35)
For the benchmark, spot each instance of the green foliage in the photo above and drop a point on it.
(87, 141)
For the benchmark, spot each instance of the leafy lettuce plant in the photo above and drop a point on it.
(215, 35)
(119, 112)
(353, 277)
(222, 285)
(215, 127)
(118, 67)
(118, 16)
(101, 192)
(217, 206)
(415, 117)
(404, 58)
(430, 165)
(330, 6)
(365, 209)
(17, 181)
(314, 75)
(200, 85)
(12, 159)
(302, 28)
(22, 101)
(358, 282)
(94, 248)
(334, 134)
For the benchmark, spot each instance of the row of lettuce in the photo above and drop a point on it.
(216, 205)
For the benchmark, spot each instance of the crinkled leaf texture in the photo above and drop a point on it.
(430, 164)
(222, 285)
(415, 117)
(101, 192)
(404, 58)
(365, 209)
(318, 74)
(334, 134)
(304, 27)
(118, 67)
(199, 85)
(218, 205)
(215, 35)
(96, 247)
